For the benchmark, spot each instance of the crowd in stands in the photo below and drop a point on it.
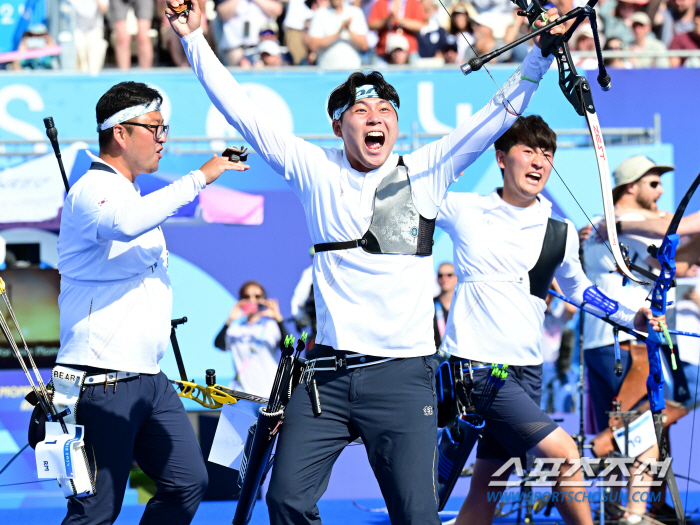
(349, 34)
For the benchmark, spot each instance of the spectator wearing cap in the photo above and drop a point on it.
(396, 49)
(489, 34)
(461, 28)
(144, 11)
(678, 18)
(403, 17)
(432, 38)
(242, 21)
(617, 18)
(644, 40)
(689, 41)
(338, 36)
(36, 37)
(583, 41)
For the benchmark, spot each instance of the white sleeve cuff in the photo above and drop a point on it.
(199, 180)
(535, 65)
(194, 35)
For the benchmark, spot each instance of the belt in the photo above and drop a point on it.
(348, 361)
(98, 379)
(492, 278)
(475, 365)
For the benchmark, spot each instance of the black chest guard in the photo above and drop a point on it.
(551, 256)
(396, 225)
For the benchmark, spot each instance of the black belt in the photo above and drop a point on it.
(347, 361)
(342, 245)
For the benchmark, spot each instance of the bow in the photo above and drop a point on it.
(212, 395)
(577, 91)
(666, 256)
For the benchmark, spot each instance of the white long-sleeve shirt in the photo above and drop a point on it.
(366, 303)
(116, 300)
(500, 321)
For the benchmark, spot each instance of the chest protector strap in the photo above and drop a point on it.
(396, 225)
(551, 256)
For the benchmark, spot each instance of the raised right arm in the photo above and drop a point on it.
(234, 104)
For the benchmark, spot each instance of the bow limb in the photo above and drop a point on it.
(213, 396)
(605, 186)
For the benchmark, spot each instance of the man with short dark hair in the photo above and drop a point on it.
(508, 246)
(371, 215)
(447, 280)
(116, 304)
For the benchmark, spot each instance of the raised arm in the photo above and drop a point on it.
(126, 221)
(225, 93)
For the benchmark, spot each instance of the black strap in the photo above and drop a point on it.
(101, 166)
(342, 245)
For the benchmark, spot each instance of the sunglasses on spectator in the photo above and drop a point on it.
(654, 184)
(247, 296)
(441, 275)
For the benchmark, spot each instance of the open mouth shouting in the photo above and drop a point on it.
(533, 177)
(374, 140)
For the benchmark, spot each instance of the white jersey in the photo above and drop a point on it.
(375, 304)
(600, 269)
(493, 316)
(116, 300)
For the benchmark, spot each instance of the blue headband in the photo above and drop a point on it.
(366, 91)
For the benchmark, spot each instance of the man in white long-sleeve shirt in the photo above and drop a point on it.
(371, 215)
(116, 304)
(508, 246)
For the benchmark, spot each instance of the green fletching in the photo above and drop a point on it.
(303, 337)
(289, 341)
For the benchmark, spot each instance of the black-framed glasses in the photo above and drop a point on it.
(159, 130)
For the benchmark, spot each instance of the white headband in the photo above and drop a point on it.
(128, 114)
(366, 91)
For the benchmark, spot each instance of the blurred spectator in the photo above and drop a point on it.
(617, 18)
(615, 44)
(432, 37)
(690, 41)
(502, 7)
(583, 41)
(269, 54)
(397, 49)
(89, 34)
(403, 17)
(488, 35)
(447, 280)
(252, 334)
(338, 34)
(450, 53)
(677, 19)
(461, 28)
(36, 37)
(242, 21)
(144, 10)
(295, 21)
(644, 40)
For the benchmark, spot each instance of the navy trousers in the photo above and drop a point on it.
(392, 407)
(142, 419)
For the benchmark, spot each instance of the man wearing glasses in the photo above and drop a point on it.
(637, 189)
(116, 304)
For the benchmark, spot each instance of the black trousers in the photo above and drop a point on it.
(142, 419)
(392, 407)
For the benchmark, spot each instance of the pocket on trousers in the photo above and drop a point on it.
(428, 363)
